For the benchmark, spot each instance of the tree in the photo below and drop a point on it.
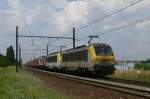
(10, 55)
(148, 60)
(3, 61)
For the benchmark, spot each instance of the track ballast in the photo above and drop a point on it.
(125, 87)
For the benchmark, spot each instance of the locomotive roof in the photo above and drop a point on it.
(100, 44)
(53, 54)
(79, 48)
(40, 57)
(82, 46)
(94, 44)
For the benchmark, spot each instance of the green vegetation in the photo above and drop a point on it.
(145, 66)
(23, 86)
(10, 55)
(9, 59)
(140, 72)
(145, 61)
(3, 61)
(144, 75)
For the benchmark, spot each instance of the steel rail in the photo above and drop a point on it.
(116, 86)
(135, 82)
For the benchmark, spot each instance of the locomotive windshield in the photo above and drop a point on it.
(103, 51)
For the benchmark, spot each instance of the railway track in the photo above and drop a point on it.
(132, 88)
(133, 82)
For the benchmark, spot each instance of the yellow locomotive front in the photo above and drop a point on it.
(103, 57)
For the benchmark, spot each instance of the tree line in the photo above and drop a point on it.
(9, 58)
(145, 61)
(144, 64)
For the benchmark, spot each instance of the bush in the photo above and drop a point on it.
(148, 60)
(3, 61)
(145, 66)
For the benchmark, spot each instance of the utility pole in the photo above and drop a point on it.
(47, 50)
(74, 46)
(91, 38)
(16, 48)
(20, 60)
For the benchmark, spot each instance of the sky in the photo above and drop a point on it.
(58, 17)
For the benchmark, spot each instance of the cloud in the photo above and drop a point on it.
(57, 17)
(71, 14)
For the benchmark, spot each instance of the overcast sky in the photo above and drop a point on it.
(57, 17)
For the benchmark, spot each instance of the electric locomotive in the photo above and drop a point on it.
(97, 58)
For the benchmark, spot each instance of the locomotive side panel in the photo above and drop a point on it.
(52, 61)
(75, 59)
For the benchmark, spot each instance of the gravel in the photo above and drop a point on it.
(76, 90)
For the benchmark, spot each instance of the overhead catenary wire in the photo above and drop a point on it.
(39, 15)
(106, 16)
(100, 19)
(84, 17)
(109, 15)
(145, 19)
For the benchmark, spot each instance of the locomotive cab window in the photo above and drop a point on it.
(103, 51)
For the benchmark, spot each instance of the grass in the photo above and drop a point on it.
(133, 75)
(145, 66)
(23, 86)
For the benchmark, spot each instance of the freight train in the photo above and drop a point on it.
(96, 58)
